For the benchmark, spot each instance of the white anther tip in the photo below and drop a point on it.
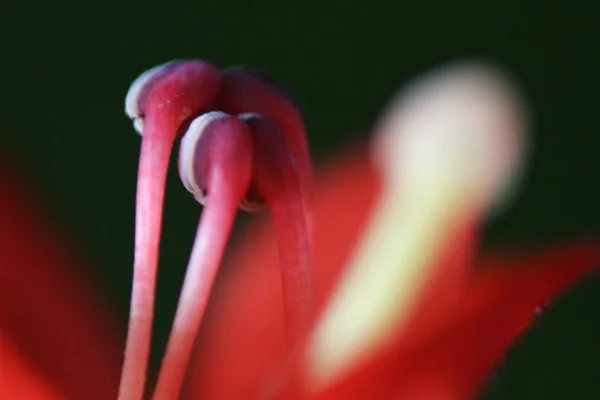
(138, 91)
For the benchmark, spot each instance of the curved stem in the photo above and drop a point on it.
(277, 181)
(294, 255)
(152, 172)
(211, 238)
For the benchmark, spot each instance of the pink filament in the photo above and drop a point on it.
(277, 181)
(296, 268)
(211, 239)
(154, 161)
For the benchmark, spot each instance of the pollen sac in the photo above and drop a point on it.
(184, 85)
(138, 93)
(253, 200)
(198, 154)
(192, 155)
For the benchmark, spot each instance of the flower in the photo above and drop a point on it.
(441, 157)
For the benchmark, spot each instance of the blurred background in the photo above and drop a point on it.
(65, 76)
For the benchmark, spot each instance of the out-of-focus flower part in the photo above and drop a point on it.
(445, 148)
(56, 340)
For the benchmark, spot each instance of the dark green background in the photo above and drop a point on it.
(64, 79)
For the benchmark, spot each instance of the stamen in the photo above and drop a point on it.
(165, 97)
(135, 101)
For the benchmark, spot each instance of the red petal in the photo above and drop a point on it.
(18, 380)
(46, 309)
(465, 341)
